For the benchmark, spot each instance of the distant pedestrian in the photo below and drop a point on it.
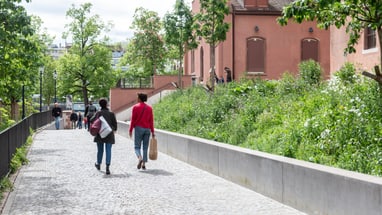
(109, 140)
(86, 122)
(79, 122)
(90, 110)
(142, 121)
(229, 76)
(73, 119)
(57, 114)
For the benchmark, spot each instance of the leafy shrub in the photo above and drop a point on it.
(346, 74)
(335, 123)
(18, 159)
(288, 84)
(310, 72)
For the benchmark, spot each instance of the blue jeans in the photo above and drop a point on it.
(57, 122)
(100, 152)
(141, 137)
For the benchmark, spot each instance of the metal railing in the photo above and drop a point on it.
(149, 94)
(146, 82)
(17, 135)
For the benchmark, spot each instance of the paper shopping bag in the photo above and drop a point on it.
(153, 149)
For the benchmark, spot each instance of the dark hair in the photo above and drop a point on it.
(142, 97)
(103, 103)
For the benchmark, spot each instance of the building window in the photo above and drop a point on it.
(309, 49)
(255, 3)
(370, 39)
(256, 55)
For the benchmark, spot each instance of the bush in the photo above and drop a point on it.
(310, 72)
(335, 123)
(346, 74)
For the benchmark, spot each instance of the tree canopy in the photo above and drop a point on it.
(146, 48)
(210, 25)
(86, 69)
(179, 32)
(20, 52)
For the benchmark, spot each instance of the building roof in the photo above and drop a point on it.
(274, 7)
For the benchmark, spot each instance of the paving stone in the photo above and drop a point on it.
(61, 179)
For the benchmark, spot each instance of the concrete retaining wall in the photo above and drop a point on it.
(308, 187)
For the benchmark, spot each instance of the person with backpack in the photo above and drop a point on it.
(106, 143)
(89, 113)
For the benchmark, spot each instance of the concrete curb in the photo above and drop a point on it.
(309, 187)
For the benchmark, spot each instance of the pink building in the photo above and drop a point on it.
(257, 46)
(367, 50)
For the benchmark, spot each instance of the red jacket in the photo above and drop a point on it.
(142, 116)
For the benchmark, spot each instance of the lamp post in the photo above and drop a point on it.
(41, 72)
(55, 85)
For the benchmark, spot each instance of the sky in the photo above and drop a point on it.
(120, 12)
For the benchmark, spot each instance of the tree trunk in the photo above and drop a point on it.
(15, 110)
(212, 66)
(85, 92)
(379, 32)
(180, 67)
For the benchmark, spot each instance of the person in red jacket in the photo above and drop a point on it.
(142, 121)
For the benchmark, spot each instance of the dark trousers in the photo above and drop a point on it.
(88, 122)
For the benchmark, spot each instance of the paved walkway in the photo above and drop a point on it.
(61, 179)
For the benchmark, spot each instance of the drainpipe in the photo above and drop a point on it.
(233, 42)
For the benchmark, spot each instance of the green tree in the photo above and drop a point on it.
(19, 54)
(48, 80)
(210, 25)
(86, 69)
(146, 48)
(355, 15)
(46, 63)
(179, 32)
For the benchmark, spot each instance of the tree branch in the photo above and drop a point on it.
(377, 78)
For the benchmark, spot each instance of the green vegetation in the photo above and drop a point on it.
(18, 159)
(336, 123)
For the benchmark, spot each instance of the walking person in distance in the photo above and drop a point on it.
(73, 119)
(142, 121)
(107, 142)
(90, 110)
(80, 119)
(57, 113)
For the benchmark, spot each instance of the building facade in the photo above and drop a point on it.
(367, 53)
(257, 46)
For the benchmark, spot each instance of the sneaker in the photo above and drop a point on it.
(107, 170)
(97, 166)
(139, 164)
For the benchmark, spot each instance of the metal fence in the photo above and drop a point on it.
(15, 136)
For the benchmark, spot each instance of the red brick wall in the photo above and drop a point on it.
(122, 98)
